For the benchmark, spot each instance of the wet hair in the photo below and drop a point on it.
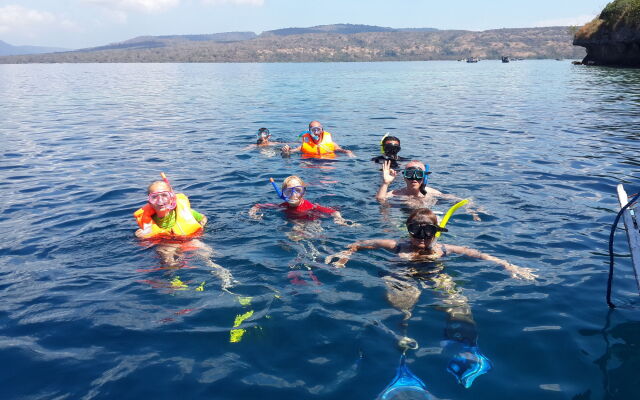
(156, 183)
(287, 180)
(423, 215)
(263, 130)
(390, 139)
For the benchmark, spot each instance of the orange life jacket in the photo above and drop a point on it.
(325, 147)
(185, 226)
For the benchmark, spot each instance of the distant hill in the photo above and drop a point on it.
(7, 50)
(151, 42)
(346, 29)
(341, 42)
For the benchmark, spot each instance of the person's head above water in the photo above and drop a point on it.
(316, 129)
(414, 175)
(161, 197)
(423, 225)
(390, 146)
(263, 136)
(293, 190)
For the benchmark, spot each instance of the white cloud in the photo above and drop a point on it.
(256, 3)
(575, 21)
(146, 6)
(18, 19)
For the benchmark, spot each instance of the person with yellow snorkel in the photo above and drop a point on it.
(467, 363)
(390, 147)
(316, 143)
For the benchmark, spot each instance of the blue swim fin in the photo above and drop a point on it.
(405, 385)
(469, 364)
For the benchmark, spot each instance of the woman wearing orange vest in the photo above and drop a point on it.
(317, 143)
(168, 214)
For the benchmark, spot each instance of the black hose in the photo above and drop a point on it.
(611, 236)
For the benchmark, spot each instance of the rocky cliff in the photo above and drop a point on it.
(612, 38)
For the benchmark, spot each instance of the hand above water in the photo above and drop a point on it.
(388, 174)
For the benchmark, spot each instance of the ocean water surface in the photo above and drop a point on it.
(87, 311)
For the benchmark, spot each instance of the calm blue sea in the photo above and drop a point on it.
(89, 312)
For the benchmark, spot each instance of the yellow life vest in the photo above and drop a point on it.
(185, 226)
(325, 147)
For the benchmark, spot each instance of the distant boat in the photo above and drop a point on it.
(472, 59)
(505, 59)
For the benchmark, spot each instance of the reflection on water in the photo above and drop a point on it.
(89, 313)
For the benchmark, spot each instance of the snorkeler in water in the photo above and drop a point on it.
(169, 221)
(416, 192)
(467, 363)
(316, 143)
(422, 245)
(168, 214)
(295, 206)
(390, 147)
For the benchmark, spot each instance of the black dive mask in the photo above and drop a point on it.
(391, 149)
(421, 230)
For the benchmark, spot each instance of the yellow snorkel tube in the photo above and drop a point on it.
(381, 144)
(449, 213)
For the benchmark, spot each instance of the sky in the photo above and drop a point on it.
(77, 24)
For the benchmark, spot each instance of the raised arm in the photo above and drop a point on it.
(515, 271)
(388, 175)
(343, 256)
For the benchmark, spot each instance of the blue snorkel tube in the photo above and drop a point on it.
(405, 385)
(275, 186)
(425, 180)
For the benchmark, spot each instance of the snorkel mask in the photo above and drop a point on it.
(316, 132)
(424, 230)
(416, 174)
(389, 149)
(163, 198)
(289, 192)
(263, 133)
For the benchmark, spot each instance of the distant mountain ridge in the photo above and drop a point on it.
(339, 42)
(7, 49)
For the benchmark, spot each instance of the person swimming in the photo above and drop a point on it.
(316, 143)
(295, 206)
(423, 245)
(390, 147)
(416, 192)
(466, 363)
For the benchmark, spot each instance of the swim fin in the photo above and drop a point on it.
(469, 364)
(405, 385)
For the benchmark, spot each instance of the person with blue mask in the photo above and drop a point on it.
(416, 192)
(317, 143)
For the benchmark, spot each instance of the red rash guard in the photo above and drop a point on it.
(306, 210)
